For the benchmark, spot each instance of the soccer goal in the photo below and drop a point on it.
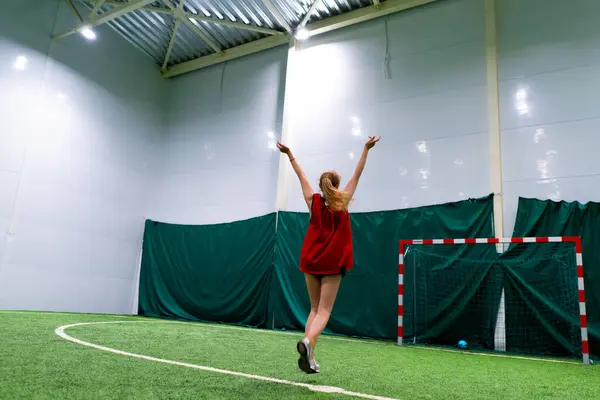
(517, 295)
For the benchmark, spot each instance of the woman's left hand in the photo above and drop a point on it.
(371, 142)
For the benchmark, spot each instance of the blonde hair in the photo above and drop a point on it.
(337, 200)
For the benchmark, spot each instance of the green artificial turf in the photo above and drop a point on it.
(35, 363)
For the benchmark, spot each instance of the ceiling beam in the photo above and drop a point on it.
(75, 11)
(232, 24)
(224, 22)
(214, 45)
(363, 14)
(179, 13)
(227, 55)
(94, 12)
(312, 8)
(159, 10)
(107, 16)
(278, 16)
(146, 8)
(172, 40)
(326, 25)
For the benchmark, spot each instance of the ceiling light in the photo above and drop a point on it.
(302, 34)
(88, 33)
(20, 63)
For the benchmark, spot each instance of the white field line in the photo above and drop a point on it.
(60, 331)
(324, 337)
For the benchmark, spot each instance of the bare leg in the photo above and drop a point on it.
(329, 290)
(313, 284)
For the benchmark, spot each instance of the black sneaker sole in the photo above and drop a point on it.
(303, 363)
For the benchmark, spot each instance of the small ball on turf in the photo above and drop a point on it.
(462, 344)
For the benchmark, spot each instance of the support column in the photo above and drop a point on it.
(495, 151)
(493, 103)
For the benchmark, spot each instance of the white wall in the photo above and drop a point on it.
(431, 110)
(219, 161)
(77, 130)
(549, 67)
(92, 141)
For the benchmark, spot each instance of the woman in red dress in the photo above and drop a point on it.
(327, 249)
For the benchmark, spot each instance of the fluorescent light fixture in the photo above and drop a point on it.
(88, 33)
(20, 63)
(302, 34)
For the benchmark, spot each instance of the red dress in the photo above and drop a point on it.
(327, 247)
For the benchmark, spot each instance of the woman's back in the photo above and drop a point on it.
(327, 247)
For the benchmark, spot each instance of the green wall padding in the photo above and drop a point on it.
(549, 218)
(367, 302)
(218, 273)
(246, 272)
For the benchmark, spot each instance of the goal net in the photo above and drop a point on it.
(519, 295)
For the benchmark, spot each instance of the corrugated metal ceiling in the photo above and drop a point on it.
(151, 31)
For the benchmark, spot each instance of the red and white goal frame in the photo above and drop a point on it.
(576, 240)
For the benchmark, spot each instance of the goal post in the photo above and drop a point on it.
(540, 287)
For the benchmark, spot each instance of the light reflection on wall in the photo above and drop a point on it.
(521, 102)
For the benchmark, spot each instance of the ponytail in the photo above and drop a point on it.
(337, 200)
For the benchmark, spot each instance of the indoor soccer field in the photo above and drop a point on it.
(299, 199)
(219, 361)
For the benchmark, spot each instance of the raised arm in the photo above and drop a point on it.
(307, 190)
(353, 182)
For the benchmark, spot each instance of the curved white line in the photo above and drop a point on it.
(60, 331)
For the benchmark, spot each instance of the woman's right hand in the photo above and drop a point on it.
(283, 148)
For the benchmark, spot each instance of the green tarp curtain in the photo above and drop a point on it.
(217, 273)
(234, 273)
(550, 218)
(246, 272)
(367, 302)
